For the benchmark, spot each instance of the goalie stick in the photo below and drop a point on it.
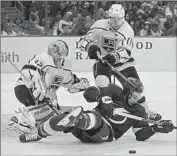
(116, 112)
(49, 103)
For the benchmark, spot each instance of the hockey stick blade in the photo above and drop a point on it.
(117, 112)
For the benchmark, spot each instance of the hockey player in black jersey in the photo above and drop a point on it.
(103, 124)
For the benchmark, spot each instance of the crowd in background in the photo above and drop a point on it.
(62, 18)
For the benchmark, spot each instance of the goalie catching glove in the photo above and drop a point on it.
(79, 85)
(23, 122)
(38, 89)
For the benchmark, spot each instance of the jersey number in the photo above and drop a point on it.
(36, 61)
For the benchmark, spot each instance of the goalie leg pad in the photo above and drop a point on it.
(41, 112)
(23, 95)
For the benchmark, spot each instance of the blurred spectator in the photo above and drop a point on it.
(25, 31)
(100, 14)
(145, 31)
(89, 23)
(66, 25)
(155, 31)
(17, 26)
(34, 17)
(106, 14)
(77, 17)
(172, 31)
(88, 9)
(8, 30)
(169, 10)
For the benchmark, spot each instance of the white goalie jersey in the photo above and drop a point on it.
(111, 41)
(53, 76)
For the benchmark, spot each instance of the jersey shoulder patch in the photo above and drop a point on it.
(67, 65)
(126, 30)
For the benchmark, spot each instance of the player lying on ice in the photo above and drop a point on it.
(103, 124)
(41, 78)
(113, 38)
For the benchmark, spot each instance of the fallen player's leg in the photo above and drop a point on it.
(87, 126)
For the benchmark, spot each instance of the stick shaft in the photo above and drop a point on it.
(117, 112)
(115, 70)
(19, 71)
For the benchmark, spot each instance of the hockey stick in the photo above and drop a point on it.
(116, 112)
(22, 76)
(115, 70)
(26, 79)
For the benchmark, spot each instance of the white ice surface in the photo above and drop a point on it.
(160, 90)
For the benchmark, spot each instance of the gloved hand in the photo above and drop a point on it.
(38, 89)
(92, 50)
(92, 94)
(111, 58)
(79, 86)
(163, 126)
(106, 106)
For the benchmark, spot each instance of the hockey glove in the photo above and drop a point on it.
(81, 85)
(163, 126)
(92, 50)
(106, 106)
(111, 58)
(39, 89)
(23, 122)
(92, 94)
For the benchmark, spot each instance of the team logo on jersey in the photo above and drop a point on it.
(108, 44)
(104, 137)
(57, 81)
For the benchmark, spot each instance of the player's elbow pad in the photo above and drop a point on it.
(144, 134)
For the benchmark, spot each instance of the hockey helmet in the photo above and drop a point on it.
(116, 15)
(58, 50)
(136, 95)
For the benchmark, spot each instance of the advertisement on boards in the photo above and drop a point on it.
(151, 54)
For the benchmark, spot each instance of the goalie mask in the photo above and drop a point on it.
(116, 16)
(136, 95)
(58, 50)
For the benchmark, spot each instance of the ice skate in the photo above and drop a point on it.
(71, 119)
(29, 137)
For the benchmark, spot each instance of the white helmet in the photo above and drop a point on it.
(58, 50)
(116, 15)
